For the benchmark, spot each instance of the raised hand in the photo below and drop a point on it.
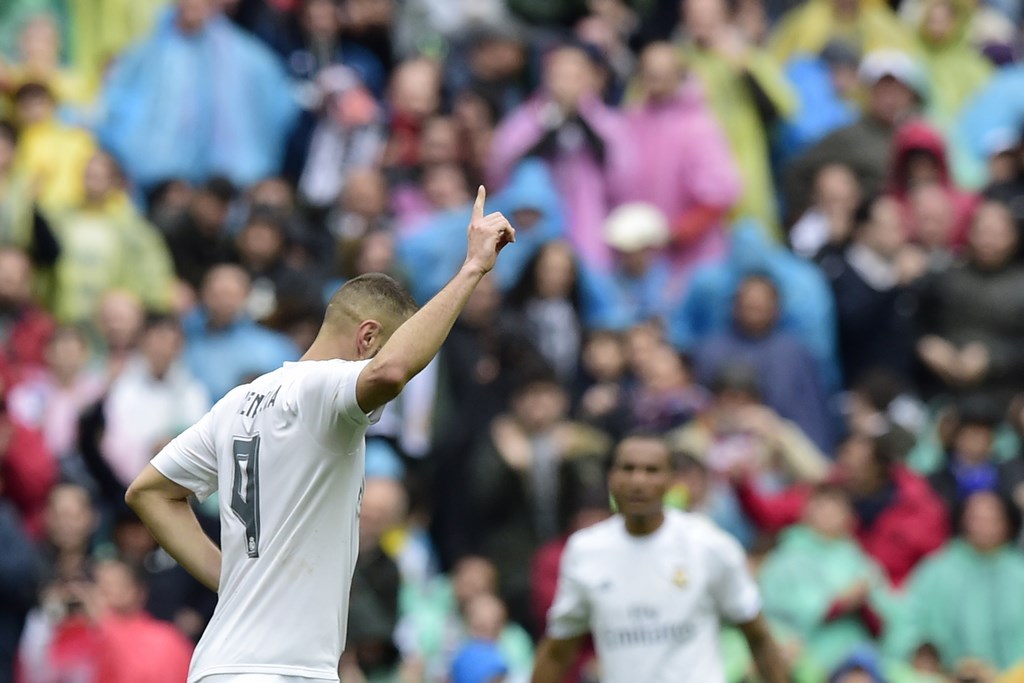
(486, 235)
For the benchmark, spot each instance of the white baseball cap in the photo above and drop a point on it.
(878, 64)
(635, 226)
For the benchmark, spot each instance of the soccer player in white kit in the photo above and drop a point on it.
(285, 452)
(652, 586)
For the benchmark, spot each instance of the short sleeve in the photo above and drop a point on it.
(332, 385)
(734, 589)
(569, 615)
(190, 460)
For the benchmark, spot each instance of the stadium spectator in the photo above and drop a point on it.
(748, 94)
(819, 583)
(828, 221)
(602, 402)
(39, 61)
(807, 308)
(666, 394)
(525, 469)
(696, 188)
(645, 280)
(739, 430)
(162, 87)
(971, 464)
(19, 579)
(920, 160)
(895, 90)
(25, 328)
(869, 25)
(52, 154)
(101, 633)
(414, 95)
(223, 346)
(875, 302)
(949, 605)
(197, 237)
(151, 401)
(900, 520)
(585, 144)
(28, 469)
(106, 244)
(968, 312)
(119, 321)
(278, 288)
(53, 398)
(785, 369)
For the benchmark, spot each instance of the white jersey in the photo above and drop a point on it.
(286, 454)
(654, 603)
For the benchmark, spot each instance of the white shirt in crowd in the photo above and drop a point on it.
(286, 454)
(142, 412)
(654, 603)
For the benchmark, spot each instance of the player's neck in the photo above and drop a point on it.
(643, 525)
(324, 348)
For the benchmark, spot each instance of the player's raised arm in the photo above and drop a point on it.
(418, 340)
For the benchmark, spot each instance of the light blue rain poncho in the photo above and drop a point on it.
(808, 310)
(434, 252)
(191, 106)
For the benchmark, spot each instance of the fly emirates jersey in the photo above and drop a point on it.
(286, 454)
(654, 603)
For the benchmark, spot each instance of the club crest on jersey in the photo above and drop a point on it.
(679, 578)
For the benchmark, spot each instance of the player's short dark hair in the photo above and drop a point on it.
(644, 435)
(373, 295)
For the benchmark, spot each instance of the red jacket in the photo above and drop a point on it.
(120, 649)
(543, 586)
(918, 135)
(27, 470)
(26, 342)
(914, 525)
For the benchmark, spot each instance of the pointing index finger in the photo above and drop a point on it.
(478, 206)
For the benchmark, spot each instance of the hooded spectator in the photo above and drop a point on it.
(689, 173)
(919, 159)
(160, 88)
(584, 143)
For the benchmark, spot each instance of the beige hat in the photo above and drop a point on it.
(635, 226)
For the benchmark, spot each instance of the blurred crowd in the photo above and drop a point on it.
(784, 234)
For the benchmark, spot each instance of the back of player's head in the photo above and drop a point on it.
(372, 296)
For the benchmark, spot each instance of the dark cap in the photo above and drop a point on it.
(839, 52)
(736, 377)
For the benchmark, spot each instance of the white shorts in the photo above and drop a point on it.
(258, 678)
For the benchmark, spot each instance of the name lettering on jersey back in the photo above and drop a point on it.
(254, 403)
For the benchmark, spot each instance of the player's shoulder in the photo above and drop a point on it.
(702, 531)
(600, 536)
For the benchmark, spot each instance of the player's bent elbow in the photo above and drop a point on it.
(134, 496)
(380, 383)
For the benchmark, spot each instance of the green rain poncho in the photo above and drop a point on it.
(106, 248)
(967, 604)
(803, 577)
(732, 101)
